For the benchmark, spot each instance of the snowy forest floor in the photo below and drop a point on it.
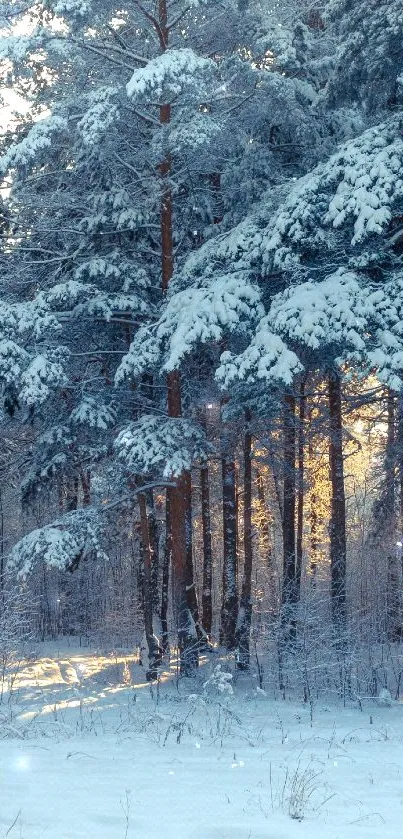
(90, 750)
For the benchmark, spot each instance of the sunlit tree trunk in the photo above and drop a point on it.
(245, 608)
(229, 606)
(300, 491)
(191, 592)
(394, 622)
(288, 598)
(313, 512)
(207, 603)
(338, 509)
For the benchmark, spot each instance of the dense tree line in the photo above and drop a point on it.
(201, 314)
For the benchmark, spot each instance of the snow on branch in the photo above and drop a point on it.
(38, 138)
(144, 354)
(73, 537)
(267, 358)
(353, 319)
(41, 376)
(199, 315)
(102, 112)
(154, 443)
(318, 314)
(356, 189)
(92, 413)
(170, 74)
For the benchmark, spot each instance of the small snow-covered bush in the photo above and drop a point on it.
(384, 698)
(219, 682)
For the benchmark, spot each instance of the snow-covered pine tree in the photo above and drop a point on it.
(98, 215)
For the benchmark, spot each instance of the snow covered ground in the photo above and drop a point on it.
(89, 750)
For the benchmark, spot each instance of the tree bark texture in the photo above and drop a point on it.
(229, 606)
(154, 650)
(165, 577)
(394, 617)
(288, 598)
(338, 509)
(300, 492)
(178, 495)
(245, 609)
(207, 604)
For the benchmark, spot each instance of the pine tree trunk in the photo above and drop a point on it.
(300, 492)
(165, 578)
(192, 599)
(394, 622)
(154, 650)
(266, 543)
(154, 548)
(207, 604)
(400, 464)
(179, 495)
(245, 609)
(229, 606)
(313, 513)
(338, 510)
(179, 508)
(313, 559)
(288, 598)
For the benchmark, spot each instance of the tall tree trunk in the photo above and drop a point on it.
(394, 622)
(266, 542)
(192, 600)
(154, 650)
(338, 510)
(264, 521)
(245, 610)
(179, 495)
(2, 558)
(313, 512)
(300, 491)
(229, 606)
(154, 548)
(288, 599)
(207, 604)
(165, 577)
(179, 503)
(400, 465)
(313, 559)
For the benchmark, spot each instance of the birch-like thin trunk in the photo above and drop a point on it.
(338, 510)
(300, 492)
(245, 608)
(265, 541)
(229, 607)
(288, 597)
(191, 592)
(394, 618)
(154, 547)
(207, 602)
(165, 577)
(154, 650)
